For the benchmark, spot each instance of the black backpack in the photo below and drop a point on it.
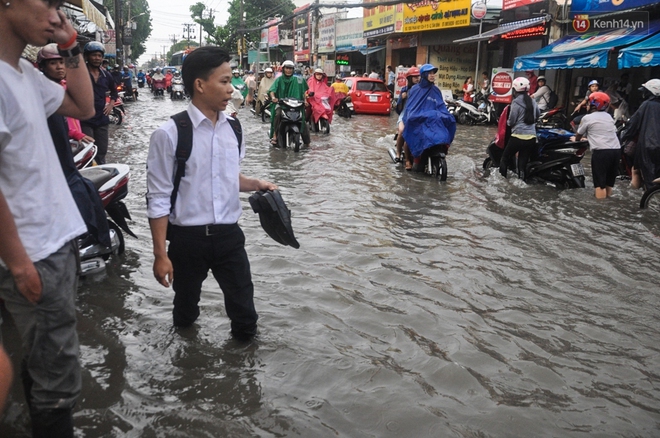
(184, 147)
(553, 100)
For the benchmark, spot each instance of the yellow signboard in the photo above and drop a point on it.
(434, 14)
(381, 20)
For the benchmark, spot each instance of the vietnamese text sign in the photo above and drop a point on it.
(501, 84)
(302, 39)
(512, 4)
(349, 35)
(455, 63)
(381, 20)
(327, 34)
(433, 15)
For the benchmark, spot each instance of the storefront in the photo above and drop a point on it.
(349, 40)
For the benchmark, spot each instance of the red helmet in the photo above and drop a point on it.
(599, 100)
(412, 71)
(49, 51)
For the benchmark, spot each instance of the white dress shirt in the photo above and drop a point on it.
(209, 191)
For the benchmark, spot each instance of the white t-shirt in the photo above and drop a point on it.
(599, 129)
(31, 177)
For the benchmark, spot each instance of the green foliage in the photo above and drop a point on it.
(256, 14)
(142, 22)
(181, 45)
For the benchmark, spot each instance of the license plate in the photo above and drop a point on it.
(577, 169)
(373, 98)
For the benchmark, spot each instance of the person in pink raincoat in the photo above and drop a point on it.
(318, 85)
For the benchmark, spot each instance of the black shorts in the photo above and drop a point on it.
(605, 167)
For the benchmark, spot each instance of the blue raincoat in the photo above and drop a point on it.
(426, 119)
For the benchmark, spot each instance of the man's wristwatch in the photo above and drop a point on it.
(69, 53)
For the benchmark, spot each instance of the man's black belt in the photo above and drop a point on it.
(201, 230)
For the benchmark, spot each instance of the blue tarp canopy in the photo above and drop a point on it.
(588, 50)
(642, 54)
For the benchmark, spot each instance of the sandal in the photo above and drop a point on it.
(273, 141)
(409, 165)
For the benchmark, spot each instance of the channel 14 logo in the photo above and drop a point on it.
(636, 21)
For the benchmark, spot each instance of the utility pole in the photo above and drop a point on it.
(315, 33)
(173, 39)
(242, 43)
(118, 30)
(188, 28)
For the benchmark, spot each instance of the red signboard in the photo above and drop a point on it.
(501, 82)
(524, 33)
(512, 4)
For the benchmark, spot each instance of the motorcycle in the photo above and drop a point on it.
(264, 108)
(553, 118)
(345, 108)
(556, 160)
(480, 113)
(140, 82)
(432, 161)
(651, 197)
(158, 87)
(291, 123)
(178, 90)
(118, 112)
(111, 181)
(83, 153)
(322, 105)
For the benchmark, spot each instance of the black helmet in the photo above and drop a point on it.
(94, 46)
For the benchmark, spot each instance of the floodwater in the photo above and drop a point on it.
(479, 307)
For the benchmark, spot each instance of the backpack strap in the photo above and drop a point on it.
(184, 145)
(238, 131)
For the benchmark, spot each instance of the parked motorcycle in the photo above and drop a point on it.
(118, 112)
(83, 153)
(111, 181)
(178, 90)
(556, 161)
(291, 123)
(481, 112)
(553, 118)
(345, 108)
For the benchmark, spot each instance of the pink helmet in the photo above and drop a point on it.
(47, 52)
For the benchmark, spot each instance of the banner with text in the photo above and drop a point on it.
(349, 35)
(381, 20)
(302, 31)
(434, 15)
(327, 34)
(455, 63)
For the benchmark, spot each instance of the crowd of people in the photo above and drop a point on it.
(39, 112)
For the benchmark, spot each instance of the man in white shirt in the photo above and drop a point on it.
(202, 224)
(40, 220)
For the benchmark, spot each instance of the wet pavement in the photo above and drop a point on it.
(479, 307)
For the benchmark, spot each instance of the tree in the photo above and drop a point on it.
(181, 45)
(256, 13)
(140, 15)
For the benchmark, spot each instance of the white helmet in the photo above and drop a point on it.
(318, 70)
(353, 73)
(288, 64)
(521, 84)
(234, 72)
(653, 85)
(268, 70)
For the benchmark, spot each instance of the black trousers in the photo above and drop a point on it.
(193, 253)
(524, 148)
(100, 135)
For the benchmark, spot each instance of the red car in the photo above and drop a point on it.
(369, 96)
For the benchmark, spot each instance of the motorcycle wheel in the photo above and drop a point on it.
(293, 141)
(325, 126)
(116, 117)
(463, 118)
(262, 110)
(488, 163)
(443, 169)
(122, 246)
(651, 199)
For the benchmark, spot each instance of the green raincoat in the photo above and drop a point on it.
(238, 82)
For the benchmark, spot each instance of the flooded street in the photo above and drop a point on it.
(479, 307)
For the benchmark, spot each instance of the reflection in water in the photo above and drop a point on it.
(476, 307)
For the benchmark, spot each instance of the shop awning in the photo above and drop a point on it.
(588, 50)
(370, 50)
(642, 54)
(504, 28)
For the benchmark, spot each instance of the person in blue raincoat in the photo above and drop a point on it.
(426, 119)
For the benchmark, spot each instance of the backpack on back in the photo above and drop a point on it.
(553, 100)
